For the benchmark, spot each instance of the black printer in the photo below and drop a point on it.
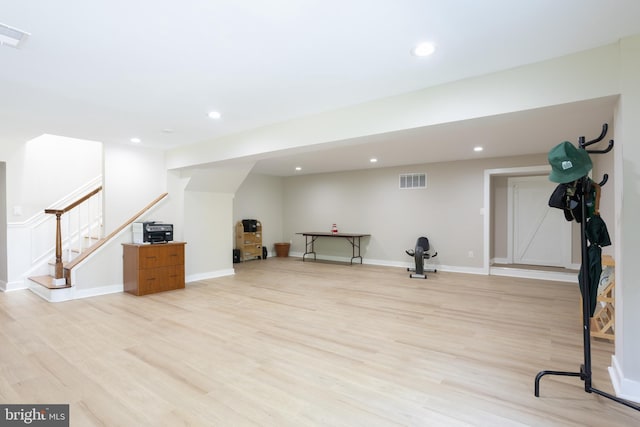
(152, 232)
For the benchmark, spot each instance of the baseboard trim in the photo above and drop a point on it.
(534, 274)
(209, 275)
(94, 292)
(400, 264)
(72, 293)
(625, 388)
(13, 286)
(464, 270)
(496, 271)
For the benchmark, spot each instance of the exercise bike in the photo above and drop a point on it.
(419, 254)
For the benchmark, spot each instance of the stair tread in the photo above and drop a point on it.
(47, 282)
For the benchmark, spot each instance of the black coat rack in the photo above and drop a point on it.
(584, 185)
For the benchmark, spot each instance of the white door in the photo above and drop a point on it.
(539, 235)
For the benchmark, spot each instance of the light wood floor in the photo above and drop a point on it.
(287, 343)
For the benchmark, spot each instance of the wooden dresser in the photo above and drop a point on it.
(153, 268)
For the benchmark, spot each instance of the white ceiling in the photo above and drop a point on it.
(111, 70)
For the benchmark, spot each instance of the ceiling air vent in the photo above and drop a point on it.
(413, 180)
(10, 36)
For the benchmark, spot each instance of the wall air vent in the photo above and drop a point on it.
(10, 36)
(413, 181)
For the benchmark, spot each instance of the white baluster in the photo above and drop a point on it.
(79, 233)
(68, 233)
(89, 223)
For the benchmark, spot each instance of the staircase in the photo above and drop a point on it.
(84, 239)
(82, 230)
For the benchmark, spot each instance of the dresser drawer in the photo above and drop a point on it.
(160, 279)
(160, 255)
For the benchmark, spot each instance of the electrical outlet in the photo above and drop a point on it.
(471, 255)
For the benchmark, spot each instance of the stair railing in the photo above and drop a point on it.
(84, 226)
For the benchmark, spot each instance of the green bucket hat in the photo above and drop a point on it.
(568, 163)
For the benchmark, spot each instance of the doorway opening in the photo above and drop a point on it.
(521, 234)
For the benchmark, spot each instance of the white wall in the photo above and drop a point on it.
(498, 220)
(625, 363)
(261, 197)
(208, 233)
(448, 212)
(604, 164)
(101, 273)
(133, 177)
(46, 169)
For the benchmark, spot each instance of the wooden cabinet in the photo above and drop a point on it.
(603, 320)
(249, 242)
(153, 268)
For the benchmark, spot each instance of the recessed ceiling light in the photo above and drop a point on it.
(214, 115)
(298, 168)
(136, 140)
(477, 149)
(10, 36)
(423, 49)
(373, 160)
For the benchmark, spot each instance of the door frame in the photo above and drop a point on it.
(488, 174)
